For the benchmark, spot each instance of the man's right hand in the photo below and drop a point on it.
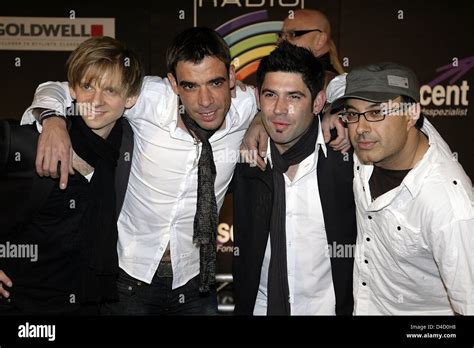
(54, 147)
(254, 145)
(4, 280)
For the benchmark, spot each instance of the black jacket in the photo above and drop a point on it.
(252, 199)
(33, 211)
(22, 191)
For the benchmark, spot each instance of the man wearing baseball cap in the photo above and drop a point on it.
(414, 201)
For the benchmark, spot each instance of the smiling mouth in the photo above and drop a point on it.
(208, 116)
(98, 112)
(280, 126)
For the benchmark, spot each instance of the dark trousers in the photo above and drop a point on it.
(157, 298)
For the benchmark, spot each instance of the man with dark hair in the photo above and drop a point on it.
(414, 201)
(183, 160)
(309, 29)
(72, 232)
(290, 220)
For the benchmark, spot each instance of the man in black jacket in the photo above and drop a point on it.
(294, 223)
(58, 247)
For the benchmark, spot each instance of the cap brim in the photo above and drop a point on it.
(375, 97)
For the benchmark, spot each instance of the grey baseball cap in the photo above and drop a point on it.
(378, 83)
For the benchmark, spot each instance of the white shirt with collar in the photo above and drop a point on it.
(414, 253)
(309, 267)
(160, 202)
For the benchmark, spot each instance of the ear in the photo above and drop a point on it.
(231, 76)
(413, 114)
(320, 41)
(131, 101)
(174, 83)
(72, 92)
(319, 102)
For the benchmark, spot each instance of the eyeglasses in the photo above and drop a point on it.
(295, 33)
(369, 115)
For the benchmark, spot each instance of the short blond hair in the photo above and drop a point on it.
(104, 54)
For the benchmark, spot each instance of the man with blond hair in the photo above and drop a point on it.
(69, 236)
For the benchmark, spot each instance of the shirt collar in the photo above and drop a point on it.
(414, 179)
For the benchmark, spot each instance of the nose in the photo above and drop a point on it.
(205, 98)
(363, 126)
(98, 98)
(281, 107)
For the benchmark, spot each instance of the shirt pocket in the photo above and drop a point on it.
(401, 237)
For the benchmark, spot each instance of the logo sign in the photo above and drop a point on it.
(250, 30)
(51, 34)
(448, 93)
(250, 38)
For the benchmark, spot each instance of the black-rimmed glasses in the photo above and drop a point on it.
(291, 34)
(369, 115)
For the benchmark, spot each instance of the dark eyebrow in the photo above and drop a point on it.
(214, 80)
(186, 83)
(298, 93)
(267, 90)
(217, 79)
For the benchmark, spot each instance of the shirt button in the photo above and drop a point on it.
(370, 217)
(364, 283)
(366, 261)
(363, 188)
(367, 239)
(130, 288)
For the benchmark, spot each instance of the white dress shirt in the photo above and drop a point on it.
(414, 253)
(160, 202)
(309, 266)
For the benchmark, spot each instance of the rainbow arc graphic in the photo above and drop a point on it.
(250, 38)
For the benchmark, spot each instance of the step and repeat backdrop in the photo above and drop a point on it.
(433, 38)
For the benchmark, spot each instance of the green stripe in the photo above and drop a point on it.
(254, 41)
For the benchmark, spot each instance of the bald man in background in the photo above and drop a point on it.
(311, 29)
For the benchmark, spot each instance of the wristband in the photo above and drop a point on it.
(47, 114)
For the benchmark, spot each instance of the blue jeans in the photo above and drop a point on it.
(157, 298)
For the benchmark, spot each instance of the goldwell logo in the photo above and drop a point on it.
(51, 34)
(48, 30)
